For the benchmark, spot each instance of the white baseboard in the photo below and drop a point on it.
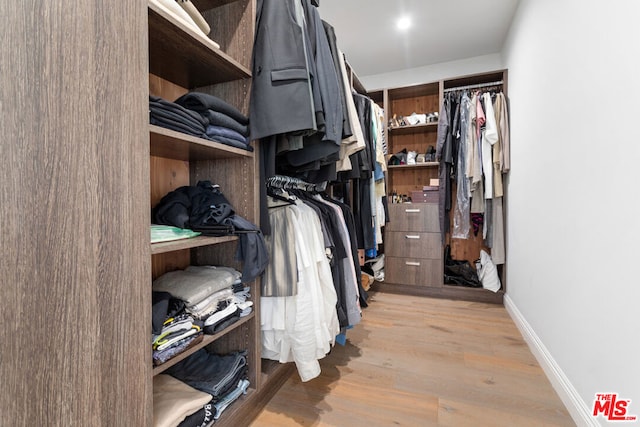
(568, 394)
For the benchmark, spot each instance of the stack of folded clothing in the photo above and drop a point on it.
(230, 308)
(174, 331)
(225, 123)
(178, 334)
(203, 207)
(223, 377)
(175, 117)
(212, 295)
(175, 403)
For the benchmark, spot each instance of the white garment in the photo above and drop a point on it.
(488, 273)
(489, 138)
(415, 118)
(181, 16)
(355, 142)
(377, 114)
(303, 327)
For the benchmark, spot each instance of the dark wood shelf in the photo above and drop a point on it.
(204, 5)
(185, 57)
(208, 339)
(417, 165)
(194, 242)
(444, 291)
(414, 91)
(423, 127)
(180, 146)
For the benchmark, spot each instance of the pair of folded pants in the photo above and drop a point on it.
(217, 118)
(230, 142)
(214, 130)
(167, 114)
(200, 102)
(209, 372)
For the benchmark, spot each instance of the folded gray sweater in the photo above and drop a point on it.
(194, 284)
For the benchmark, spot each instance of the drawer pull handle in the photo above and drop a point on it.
(412, 236)
(412, 210)
(417, 264)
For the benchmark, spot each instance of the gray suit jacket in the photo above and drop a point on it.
(281, 94)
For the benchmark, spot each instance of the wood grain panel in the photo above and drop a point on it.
(165, 262)
(413, 141)
(235, 177)
(203, 5)
(420, 104)
(166, 175)
(427, 89)
(164, 88)
(419, 128)
(413, 271)
(74, 204)
(232, 27)
(413, 245)
(414, 217)
(472, 79)
(179, 146)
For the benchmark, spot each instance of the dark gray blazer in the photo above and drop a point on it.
(325, 75)
(281, 95)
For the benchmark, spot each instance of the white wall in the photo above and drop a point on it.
(573, 235)
(432, 73)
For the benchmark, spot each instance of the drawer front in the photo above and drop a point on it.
(413, 271)
(409, 244)
(418, 217)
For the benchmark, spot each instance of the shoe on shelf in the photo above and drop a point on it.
(411, 157)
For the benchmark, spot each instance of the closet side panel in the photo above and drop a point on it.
(74, 202)
(232, 27)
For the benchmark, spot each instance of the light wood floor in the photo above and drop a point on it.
(417, 361)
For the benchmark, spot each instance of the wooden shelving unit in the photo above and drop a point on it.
(403, 179)
(181, 60)
(183, 56)
(422, 127)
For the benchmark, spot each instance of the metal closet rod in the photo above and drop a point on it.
(451, 89)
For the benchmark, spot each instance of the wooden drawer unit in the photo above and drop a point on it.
(413, 271)
(415, 217)
(407, 244)
(413, 247)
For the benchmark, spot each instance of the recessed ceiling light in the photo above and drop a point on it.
(403, 23)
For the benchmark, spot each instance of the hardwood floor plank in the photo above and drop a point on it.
(416, 361)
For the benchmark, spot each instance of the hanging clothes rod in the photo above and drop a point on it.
(479, 85)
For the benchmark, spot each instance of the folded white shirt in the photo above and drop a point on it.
(220, 314)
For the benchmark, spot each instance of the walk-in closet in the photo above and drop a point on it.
(318, 213)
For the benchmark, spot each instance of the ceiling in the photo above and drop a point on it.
(441, 31)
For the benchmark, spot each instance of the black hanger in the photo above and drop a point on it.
(279, 196)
